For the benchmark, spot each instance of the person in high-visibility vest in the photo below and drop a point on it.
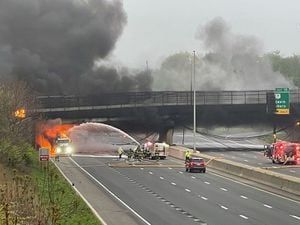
(188, 155)
(120, 152)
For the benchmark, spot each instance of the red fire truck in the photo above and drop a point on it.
(284, 152)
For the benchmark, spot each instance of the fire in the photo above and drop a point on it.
(20, 113)
(46, 135)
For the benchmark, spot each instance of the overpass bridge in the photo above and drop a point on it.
(215, 105)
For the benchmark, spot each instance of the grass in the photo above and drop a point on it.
(67, 207)
(38, 194)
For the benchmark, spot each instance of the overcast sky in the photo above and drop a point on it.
(158, 28)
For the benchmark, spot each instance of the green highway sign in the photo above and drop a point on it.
(282, 101)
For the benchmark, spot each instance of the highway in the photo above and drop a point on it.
(206, 142)
(235, 150)
(172, 196)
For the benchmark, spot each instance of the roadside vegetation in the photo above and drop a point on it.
(289, 66)
(31, 193)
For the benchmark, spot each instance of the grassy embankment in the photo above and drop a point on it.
(36, 193)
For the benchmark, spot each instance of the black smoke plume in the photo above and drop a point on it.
(53, 45)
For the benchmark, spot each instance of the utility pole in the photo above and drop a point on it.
(183, 135)
(191, 93)
(194, 70)
(147, 66)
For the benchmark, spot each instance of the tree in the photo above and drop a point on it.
(16, 96)
(287, 66)
(175, 72)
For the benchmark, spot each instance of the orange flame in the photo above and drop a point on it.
(46, 135)
(20, 113)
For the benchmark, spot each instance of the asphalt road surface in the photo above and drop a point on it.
(235, 150)
(208, 142)
(257, 159)
(173, 196)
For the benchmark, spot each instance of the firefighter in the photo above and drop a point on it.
(120, 152)
(188, 155)
(269, 151)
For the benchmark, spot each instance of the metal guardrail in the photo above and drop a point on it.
(161, 98)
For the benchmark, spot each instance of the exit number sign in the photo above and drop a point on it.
(282, 101)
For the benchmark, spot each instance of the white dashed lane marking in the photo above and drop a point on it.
(244, 197)
(188, 190)
(268, 206)
(204, 198)
(150, 173)
(206, 182)
(169, 168)
(223, 189)
(193, 177)
(161, 178)
(142, 168)
(223, 207)
(292, 171)
(245, 160)
(180, 172)
(244, 217)
(296, 217)
(173, 183)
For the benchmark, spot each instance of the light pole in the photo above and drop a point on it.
(194, 86)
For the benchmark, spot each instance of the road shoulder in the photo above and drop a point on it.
(109, 209)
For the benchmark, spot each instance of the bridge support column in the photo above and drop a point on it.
(166, 136)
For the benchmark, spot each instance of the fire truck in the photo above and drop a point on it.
(63, 147)
(284, 152)
(156, 150)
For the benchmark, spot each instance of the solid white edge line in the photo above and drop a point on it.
(83, 198)
(111, 193)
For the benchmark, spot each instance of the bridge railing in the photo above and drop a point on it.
(161, 98)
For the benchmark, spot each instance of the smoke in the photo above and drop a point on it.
(230, 62)
(53, 45)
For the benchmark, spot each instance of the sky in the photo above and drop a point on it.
(158, 28)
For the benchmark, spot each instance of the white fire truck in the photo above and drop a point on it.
(157, 150)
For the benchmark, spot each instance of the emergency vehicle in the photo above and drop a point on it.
(156, 150)
(63, 147)
(284, 152)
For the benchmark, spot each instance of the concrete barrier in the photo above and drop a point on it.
(276, 180)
